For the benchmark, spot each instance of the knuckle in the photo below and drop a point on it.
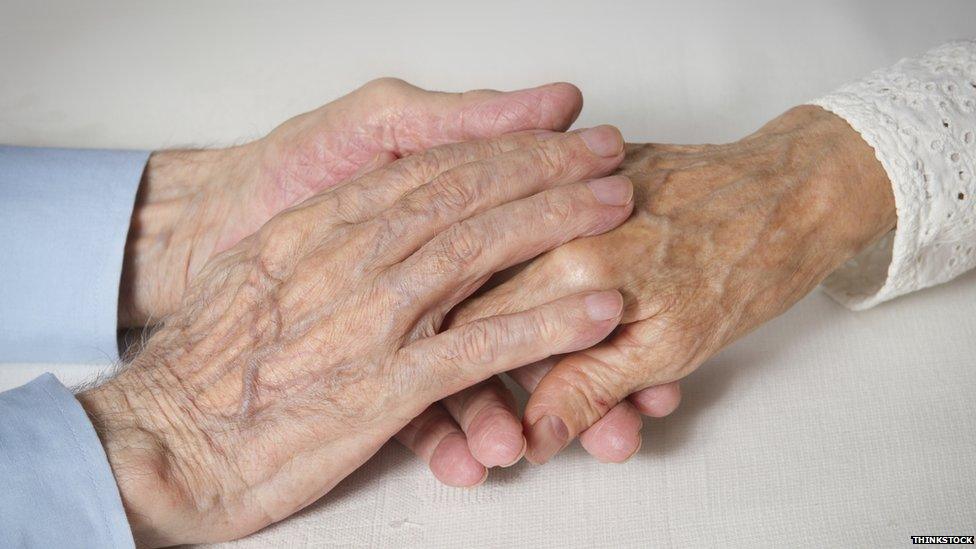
(464, 359)
(408, 209)
(592, 389)
(386, 86)
(556, 209)
(581, 264)
(458, 246)
(478, 345)
(453, 192)
(422, 167)
(544, 326)
(440, 159)
(279, 240)
(550, 160)
(345, 207)
(505, 115)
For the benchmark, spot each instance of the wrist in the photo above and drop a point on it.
(177, 202)
(149, 439)
(850, 199)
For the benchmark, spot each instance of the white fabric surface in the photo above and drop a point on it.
(823, 428)
(920, 117)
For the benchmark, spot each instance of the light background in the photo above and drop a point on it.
(823, 428)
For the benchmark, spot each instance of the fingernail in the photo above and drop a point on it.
(613, 191)
(603, 305)
(520, 455)
(546, 437)
(603, 140)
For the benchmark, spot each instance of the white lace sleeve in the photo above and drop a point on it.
(920, 117)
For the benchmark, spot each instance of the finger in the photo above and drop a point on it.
(466, 190)
(460, 357)
(616, 436)
(417, 119)
(390, 116)
(613, 438)
(530, 284)
(435, 438)
(487, 414)
(579, 390)
(657, 401)
(445, 270)
(551, 425)
(362, 198)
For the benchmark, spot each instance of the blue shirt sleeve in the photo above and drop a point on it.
(57, 486)
(64, 218)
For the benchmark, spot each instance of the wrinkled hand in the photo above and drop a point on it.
(300, 350)
(194, 204)
(723, 238)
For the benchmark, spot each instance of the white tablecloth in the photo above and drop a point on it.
(823, 428)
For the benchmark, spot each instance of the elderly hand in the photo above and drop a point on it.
(193, 205)
(299, 351)
(723, 238)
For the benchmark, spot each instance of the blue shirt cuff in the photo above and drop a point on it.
(64, 219)
(58, 487)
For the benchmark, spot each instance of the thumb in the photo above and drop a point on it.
(421, 119)
(579, 390)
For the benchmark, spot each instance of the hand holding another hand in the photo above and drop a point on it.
(332, 309)
(300, 350)
(723, 239)
(194, 204)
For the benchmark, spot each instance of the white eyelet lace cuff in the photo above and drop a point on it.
(920, 117)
